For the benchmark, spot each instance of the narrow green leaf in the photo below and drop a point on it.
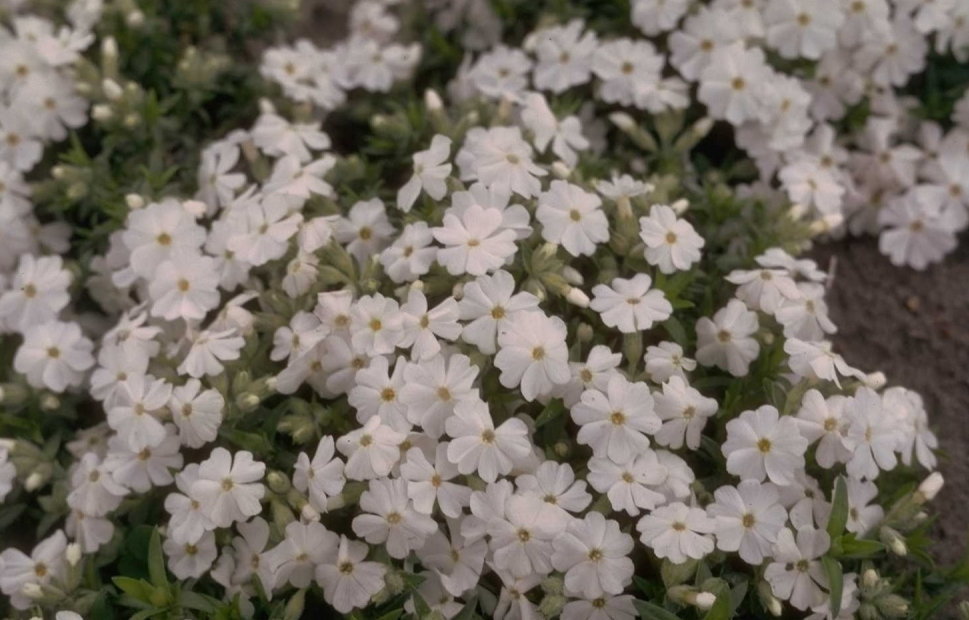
(554, 409)
(839, 510)
(675, 329)
(146, 613)
(393, 615)
(737, 595)
(649, 611)
(421, 608)
(198, 602)
(835, 583)
(156, 562)
(855, 549)
(135, 588)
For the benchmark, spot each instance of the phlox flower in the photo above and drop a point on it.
(533, 354)
(228, 487)
(677, 532)
(615, 422)
(478, 446)
(630, 305)
(572, 217)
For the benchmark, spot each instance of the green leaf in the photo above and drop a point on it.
(146, 613)
(393, 615)
(554, 409)
(675, 574)
(198, 602)
(839, 510)
(136, 588)
(835, 582)
(675, 329)
(720, 610)
(855, 549)
(737, 594)
(156, 562)
(421, 608)
(649, 611)
(467, 612)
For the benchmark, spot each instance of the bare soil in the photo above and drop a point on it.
(913, 326)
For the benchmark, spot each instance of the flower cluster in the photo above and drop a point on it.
(493, 377)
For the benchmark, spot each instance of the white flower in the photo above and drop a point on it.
(629, 305)
(501, 158)
(458, 561)
(555, 484)
(8, 474)
(217, 183)
(521, 537)
(478, 446)
(303, 333)
(726, 340)
(37, 293)
(565, 136)
(93, 490)
(347, 580)
(376, 393)
(513, 217)
(134, 417)
(187, 523)
(656, 16)
(803, 28)
(291, 177)
(377, 325)
(564, 56)
(433, 387)
(209, 349)
(371, 451)
(677, 532)
(600, 365)
(501, 73)
(762, 444)
(475, 242)
(365, 230)
(810, 184)
(140, 470)
(796, 575)
(628, 70)
(54, 356)
(295, 558)
(873, 434)
(806, 318)
(263, 228)
(671, 243)
(825, 420)
(423, 328)
(748, 518)
(490, 303)
(916, 232)
(45, 563)
(277, 137)
(158, 232)
(572, 217)
(684, 412)
(701, 37)
(666, 360)
(593, 554)
(614, 422)
(430, 172)
(390, 518)
(731, 85)
(816, 360)
(862, 517)
(322, 477)
(191, 560)
(764, 289)
(627, 485)
(428, 482)
(411, 254)
(601, 608)
(184, 287)
(915, 437)
(228, 488)
(533, 353)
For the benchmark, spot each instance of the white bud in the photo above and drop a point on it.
(680, 206)
(134, 201)
(705, 600)
(271, 383)
(774, 607)
(623, 121)
(195, 208)
(7, 444)
(931, 486)
(869, 579)
(50, 402)
(58, 172)
(34, 481)
(32, 590)
(112, 90)
(109, 48)
(73, 554)
(308, 513)
(458, 291)
(638, 165)
(797, 212)
(132, 120)
(703, 126)
(826, 224)
(572, 276)
(417, 285)
(266, 106)
(135, 19)
(335, 503)
(250, 401)
(876, 380)
(560, 170)
(101, 112)
(577, 297)
(432, 100)
(2, 393)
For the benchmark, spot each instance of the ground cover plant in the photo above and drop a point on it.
(491, 309)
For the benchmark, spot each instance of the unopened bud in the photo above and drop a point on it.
(893, 540)
(702, 127)
(767, 598)
(73, 554)
(892, 606)
(132, 120)
(704, 600)
(876, 380)
(797, 212)
(869, 579)
(34, 481)
(101, 112)
(109, 48)
(394, 582)
(308, 513)
(432, 100)
(135, 19)
(826, 224)
(964, 610)
(552, 605)
(195, 208)
(134, 201)
(577, 297)
(457, 292)
(32, 591)
(560, 170)
(680, 206)
(277, 482)
(572, 276)
(931, 486)
(50, 402)
(623, 121)
(112, 91)
(585, 332)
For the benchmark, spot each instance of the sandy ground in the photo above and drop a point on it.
(913, 326)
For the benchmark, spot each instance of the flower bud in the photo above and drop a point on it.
(931, 486)
(134, 201)
(893, 540)
(112, 91)
(560, 170)
(964, 610)
(767, 598)
(13, 394)
(553, 585)
(892, 606)
(585, 332)
(101, 112)
(135, 19)
(32, 591)
(308, 513)
(195, 208)
(394, 582)
(826, 224)
(50, 402)
(875, 380)
(432, 100)
(704, 600)
(458, 291)
(797, 212)
(623, 121)
(73, 554)
(869, 579)
(572, 276)
(109, 48)
(34, 481)
(577, 297)
(131, 120)
(552, 605)
(680, 206)
(277, 482)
